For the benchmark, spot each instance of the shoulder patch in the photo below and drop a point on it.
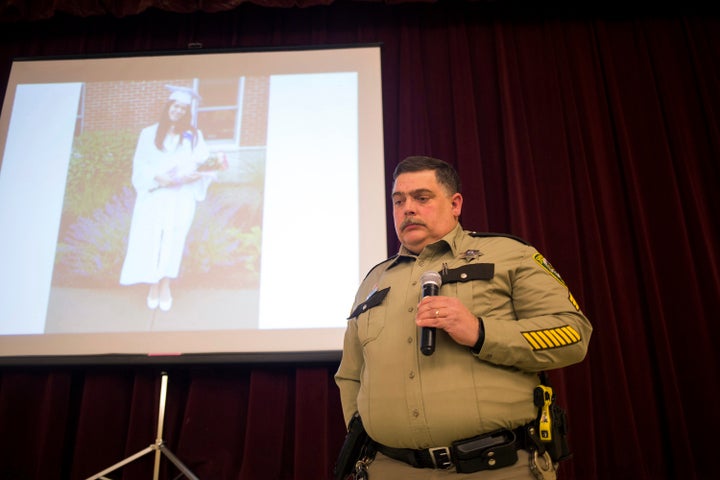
(545, 265)
(493, 234)
(542, 261)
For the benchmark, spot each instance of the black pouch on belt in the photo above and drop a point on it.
(558, 448)
(485, 452)
(356, 444)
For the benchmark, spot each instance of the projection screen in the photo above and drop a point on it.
(250, 242)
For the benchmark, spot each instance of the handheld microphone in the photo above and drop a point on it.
(431, 282)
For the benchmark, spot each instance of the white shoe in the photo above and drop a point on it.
(165, 305)
(152, 303)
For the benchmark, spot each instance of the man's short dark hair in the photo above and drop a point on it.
(445, 174)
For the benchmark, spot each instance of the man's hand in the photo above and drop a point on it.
(449, 314)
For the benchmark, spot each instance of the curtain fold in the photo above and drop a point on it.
(17, 10)
(593, 135)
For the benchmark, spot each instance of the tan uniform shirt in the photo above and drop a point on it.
(409, 400)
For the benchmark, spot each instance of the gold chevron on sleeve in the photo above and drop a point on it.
(552, 337)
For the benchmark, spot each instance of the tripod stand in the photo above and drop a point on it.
(159, 445)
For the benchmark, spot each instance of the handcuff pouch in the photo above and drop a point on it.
(485, 452)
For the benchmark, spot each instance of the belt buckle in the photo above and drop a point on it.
(441, 457)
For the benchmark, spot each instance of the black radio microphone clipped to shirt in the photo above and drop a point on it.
(431, 282)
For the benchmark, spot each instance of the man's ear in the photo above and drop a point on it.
(456, 202)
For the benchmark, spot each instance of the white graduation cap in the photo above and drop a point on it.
(182, 94)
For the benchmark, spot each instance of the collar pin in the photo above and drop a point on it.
(471, 254)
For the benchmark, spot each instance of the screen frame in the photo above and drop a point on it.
(287, 350)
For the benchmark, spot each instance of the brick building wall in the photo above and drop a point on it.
(255, 111)
(132, 106)
(124, 105)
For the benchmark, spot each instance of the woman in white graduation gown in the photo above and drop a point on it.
(168, 185)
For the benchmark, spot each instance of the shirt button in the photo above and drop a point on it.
(410, 340)
(410, 309)
(411, 374)
(415, 413)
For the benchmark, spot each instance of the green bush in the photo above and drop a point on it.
(222, 248)
(91, 249)
(225, 238)
(100, 166)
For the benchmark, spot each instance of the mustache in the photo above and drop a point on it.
(410, 221)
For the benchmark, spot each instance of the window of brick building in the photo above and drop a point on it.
(219, 115)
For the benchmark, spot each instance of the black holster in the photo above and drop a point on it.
(357, 444)
(558, 447)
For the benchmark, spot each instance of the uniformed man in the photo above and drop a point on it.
(501, 316)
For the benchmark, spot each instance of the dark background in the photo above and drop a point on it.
(591, 129)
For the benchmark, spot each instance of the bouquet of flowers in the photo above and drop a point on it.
(215, 162)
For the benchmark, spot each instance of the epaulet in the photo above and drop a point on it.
(381, 263)
(493, 234)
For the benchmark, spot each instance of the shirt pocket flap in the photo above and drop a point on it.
(466, 273)
(373, 301)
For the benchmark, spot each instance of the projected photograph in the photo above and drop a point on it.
(161, 222)
(189, 203)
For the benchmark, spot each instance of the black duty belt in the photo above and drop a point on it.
(490, 451)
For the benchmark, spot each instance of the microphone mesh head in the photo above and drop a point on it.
(431, 277)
